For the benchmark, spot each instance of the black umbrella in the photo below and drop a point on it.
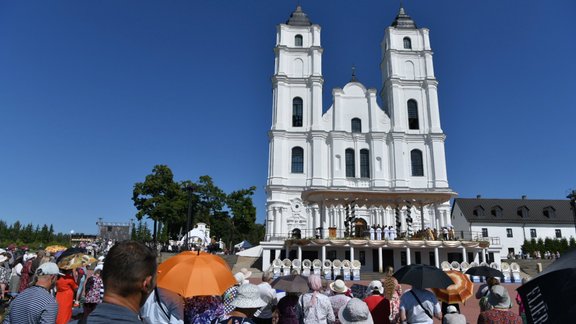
(423, 276)
(291, 283)
(485, 271)
(550, 297)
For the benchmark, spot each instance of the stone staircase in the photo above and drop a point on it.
(530, 266)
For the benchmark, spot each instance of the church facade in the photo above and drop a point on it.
(358, 170)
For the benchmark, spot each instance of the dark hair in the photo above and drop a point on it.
(127, 264)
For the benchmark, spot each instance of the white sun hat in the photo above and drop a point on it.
(356, 311)
(248, 297)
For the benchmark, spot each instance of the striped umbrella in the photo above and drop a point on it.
(459, 292)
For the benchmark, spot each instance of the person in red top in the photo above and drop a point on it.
(500, 313)
(378, 305)
(65, 288)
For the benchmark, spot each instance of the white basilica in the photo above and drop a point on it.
(349, 177)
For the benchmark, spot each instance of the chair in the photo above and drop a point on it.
(276, 267)
(445, 265)
(327, 269)
(515, 272)
(455, 265)
(297, 266)
(356, 265)
(306, 265)
(336, 268)
(317, 266)
(505, 268)
(346, 264)
(287, 264)
(464, 266)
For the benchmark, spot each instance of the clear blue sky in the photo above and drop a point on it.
(93, 94)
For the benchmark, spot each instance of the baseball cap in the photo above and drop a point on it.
(48, 268)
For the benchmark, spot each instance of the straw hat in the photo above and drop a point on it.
(338, 286)
(356, 311)
(248, 297)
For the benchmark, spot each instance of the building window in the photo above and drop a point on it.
(350, 164)
(533, 233)
(297, 107)
(298, 40)
(558, 233)
(356, 125)
(484, 232)
(417, 163)
(509, 232)
(297, 160)
(496, 211)
(364, 163)
(413, 114)
(522, 211)
(549, 212)
(478, 211)
(407, 43)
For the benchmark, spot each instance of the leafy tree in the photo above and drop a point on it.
(211, 200)
(157, 198)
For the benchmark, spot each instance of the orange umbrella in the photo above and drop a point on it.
(195, 274)
(459, 292)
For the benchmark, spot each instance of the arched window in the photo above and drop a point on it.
(297, 109)
(417, 163)
(407, 43)
(296, 233)
(413, 114)
(364, 163)
(356, 125)
(350, 164)
(297, 160)
(298, 40)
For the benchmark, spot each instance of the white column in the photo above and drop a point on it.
(351, 253)
(323, 253)
(464, 257)
(436, 258)
(277, 254)
(380, 263)
(299, 252)
(265, 259)
(408, 258)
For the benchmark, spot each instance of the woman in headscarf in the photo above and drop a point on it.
(314, 307)
(392, 292)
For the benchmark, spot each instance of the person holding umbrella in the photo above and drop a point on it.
(419, 305)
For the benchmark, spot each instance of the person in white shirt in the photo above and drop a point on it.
(314, 307)
(419, 306)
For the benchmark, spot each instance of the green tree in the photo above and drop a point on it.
(211, 200)
(157, 198)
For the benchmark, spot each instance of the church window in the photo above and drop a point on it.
(533, 233)
(350, 164)
(407, 43)
(364, 163)
(417, 163)
(297, 160)
(297, 111)
(356, 125)
(558, 233)
(413, 114)
(298, 40)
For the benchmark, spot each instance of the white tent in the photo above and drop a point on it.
(243, 245)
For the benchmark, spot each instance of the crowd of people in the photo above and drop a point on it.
(122, 288)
